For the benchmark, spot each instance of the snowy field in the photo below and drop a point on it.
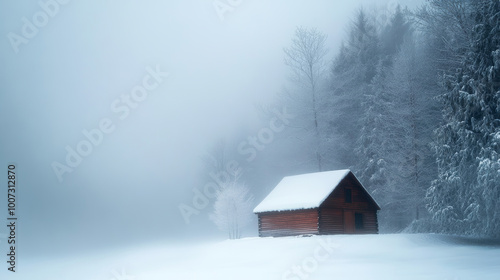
(394, 256)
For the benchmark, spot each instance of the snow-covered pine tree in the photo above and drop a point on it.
(414, 118)
(484, 81)
(352, 71)
(382, 149)
(464, 197)
(371, 147)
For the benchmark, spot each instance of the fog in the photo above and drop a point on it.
(73, 74)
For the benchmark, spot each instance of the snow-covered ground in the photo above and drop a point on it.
(393, 256)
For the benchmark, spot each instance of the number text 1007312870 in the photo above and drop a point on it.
(11, 218)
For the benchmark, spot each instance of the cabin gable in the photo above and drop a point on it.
(348, 209)
(360, 199)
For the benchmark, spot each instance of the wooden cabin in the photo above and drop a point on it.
(332, 202)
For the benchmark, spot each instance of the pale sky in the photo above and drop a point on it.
(87, 54)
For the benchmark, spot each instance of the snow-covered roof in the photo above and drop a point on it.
(304, 191)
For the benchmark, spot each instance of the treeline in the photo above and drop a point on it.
(412, 106)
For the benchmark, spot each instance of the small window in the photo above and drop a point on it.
(358, 220)
(348, 195)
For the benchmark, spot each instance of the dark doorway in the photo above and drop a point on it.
(349, 221)
(358, 221)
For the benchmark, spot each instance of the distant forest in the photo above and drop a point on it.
(411, 104)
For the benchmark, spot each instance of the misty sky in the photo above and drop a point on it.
(67, 77)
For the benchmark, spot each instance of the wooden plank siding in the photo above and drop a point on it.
(370, 223)
(331, 211)
(331, 221)
(287, 223)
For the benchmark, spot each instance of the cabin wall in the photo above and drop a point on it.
(331, 221)
(360, 199)
(288, 223)
(370, 222)
(336, 216)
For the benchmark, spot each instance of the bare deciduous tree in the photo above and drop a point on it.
(232, 208)
(306, 59)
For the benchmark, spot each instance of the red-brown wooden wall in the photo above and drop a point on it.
(332, 212)
(286, 223)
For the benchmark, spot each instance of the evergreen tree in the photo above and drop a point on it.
(352, 73)
(463, 199)
(414, 117)
(382, 147)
